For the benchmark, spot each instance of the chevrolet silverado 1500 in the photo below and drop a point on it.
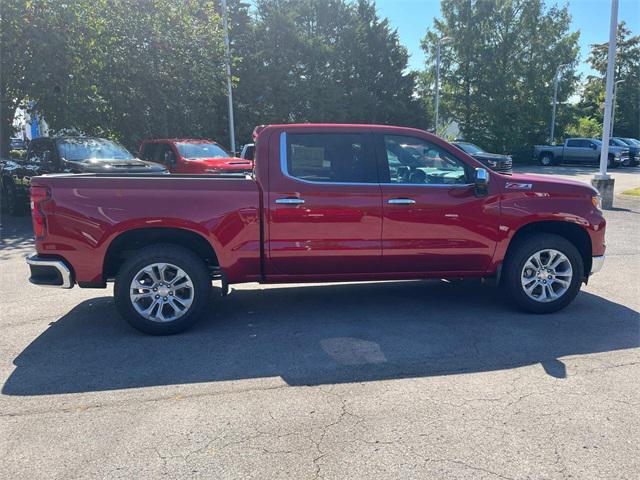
(326, 203)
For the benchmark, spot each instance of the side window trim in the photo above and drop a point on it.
(284, 169)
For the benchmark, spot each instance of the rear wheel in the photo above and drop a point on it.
(162, 289)
(543, 273)
(546, 160)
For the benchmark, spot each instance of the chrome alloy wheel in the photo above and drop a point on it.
(161, 292)
(546, 275)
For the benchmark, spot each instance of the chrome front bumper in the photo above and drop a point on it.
(596, 264)
(49, 272)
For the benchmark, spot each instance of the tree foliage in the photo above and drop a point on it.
(135, 69)
(627, 71)
(498, 69)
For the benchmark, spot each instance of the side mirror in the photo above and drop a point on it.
(481, 181)
(593, 146)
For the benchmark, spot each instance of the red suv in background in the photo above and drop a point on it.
(187, 155)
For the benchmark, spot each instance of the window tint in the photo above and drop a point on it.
(329, 157)
(413, 160)
(147, 151)
(574, 143)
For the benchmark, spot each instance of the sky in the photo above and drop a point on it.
(590, 17)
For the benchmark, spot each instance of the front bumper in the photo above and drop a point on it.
(49, 272)
(596, 264)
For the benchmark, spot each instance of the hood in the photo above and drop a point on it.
(490, 156)
(221, 161)
(539, 183)
(615, 149)
(115, 166)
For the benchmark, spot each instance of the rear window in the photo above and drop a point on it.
(329, 157)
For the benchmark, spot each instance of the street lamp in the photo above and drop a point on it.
(613, 105)
(441, 41)
(225, 26)
(602, 181)
(556, 78)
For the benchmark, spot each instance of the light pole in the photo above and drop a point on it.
(441, 41)
(225, 26)
(613, 106)
(556, 78)
(603, 182)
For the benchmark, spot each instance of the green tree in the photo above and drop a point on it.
(627, 71)
(498, 69)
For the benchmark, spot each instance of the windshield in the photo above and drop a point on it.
(596, 141)
(87, 149)
(617, 143)
(632, 141)
(469, 148)
(201, 150)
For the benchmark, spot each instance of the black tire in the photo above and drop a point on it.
(546, 160)
(173, 254)
(514, 264)
(628, 162)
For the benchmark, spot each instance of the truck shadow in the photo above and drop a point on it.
(320, 335)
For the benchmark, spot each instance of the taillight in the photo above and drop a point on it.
(39, 195)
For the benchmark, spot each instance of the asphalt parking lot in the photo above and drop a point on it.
(420, 379)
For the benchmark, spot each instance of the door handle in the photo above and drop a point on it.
(401, 201)
(290, 201)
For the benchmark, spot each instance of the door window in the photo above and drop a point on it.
(329, 157)
(412, 160)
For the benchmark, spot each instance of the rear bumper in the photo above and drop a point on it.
(50, 272)
(596, 264)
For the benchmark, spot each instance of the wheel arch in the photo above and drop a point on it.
(126, 243)
(572, 232)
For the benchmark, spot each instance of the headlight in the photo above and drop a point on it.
(617, 155)
(597, 201)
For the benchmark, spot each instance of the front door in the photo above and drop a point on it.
(324, 205)
(433, 221)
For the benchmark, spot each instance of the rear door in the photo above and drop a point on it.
(324, 204)
(578, 150)
(433, 222)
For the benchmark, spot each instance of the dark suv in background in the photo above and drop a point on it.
(495, 161)
(65, 155)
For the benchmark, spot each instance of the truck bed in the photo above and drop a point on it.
(87, 212)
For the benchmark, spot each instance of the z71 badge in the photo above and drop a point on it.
(518, 186)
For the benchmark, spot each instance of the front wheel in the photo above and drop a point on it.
(543, 273)
(546, 160)
(162, 289)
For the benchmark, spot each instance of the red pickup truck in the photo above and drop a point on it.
(188, 155)
(326, 203)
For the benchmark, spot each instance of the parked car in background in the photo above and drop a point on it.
(495, 161)
(327, 203)
(579, 150)
(188, 155)
(17, 144)
(248, 151)
(634, 149)
(65, 155)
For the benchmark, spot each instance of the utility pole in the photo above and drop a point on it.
(441, 41)
(225, 25)
(602, 181)
(556, 79)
